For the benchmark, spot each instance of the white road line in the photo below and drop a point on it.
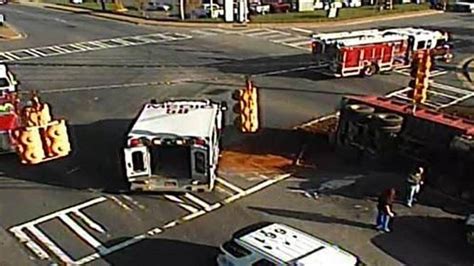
(83, 234)
(64, 211)
(442, 94)
(79, 45)
(81, 48)
(51, 246)
(449, 88)
(289, 70)
(35, 248)
(252, 30)
(89, 221)
(221, 189)
(307, 43)
(34, 51)
(286, 40)
(200, 202)
(302, 30)
(9, 54)
(181, 203)
(134, 202)
(153, 231)
(60, 49)
(266, 183)
(229, 185)
(267, 32)
(206, 33)
(112, 249)
(463, 98)
(120, 203)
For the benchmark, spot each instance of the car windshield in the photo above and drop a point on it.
(4, 82)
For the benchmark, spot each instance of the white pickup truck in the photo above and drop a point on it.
(257, 8)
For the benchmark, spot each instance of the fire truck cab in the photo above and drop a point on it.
(174, 146)
(366, 52)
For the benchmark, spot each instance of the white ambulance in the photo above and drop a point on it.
(174, 146)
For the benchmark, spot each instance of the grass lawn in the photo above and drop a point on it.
(344, 13)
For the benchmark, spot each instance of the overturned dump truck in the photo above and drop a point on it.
(392, 131)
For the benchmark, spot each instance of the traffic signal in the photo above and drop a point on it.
(29, 145)
(56, 139)
(420, 73)
(36, 115)
(246, 108)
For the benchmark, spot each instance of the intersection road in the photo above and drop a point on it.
(100, 90)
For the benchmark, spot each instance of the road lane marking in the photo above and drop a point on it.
(25, 239)
(80, 47)
(120, 203)
(201, 202)
(134, 202)
(181, 203)
(157, 230)
(83, 234)
(50, 245)
(302, 30)
(291, 39)
(89, 222)
(222, 190)
(229, 185)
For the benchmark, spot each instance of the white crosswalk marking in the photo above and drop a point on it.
(82, 233)
(181, 203)
(450, 95)
(200, 202)
(25, 54)
(229, 185)
(64, 216)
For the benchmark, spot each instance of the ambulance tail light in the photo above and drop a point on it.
(199, 142)
(135, 142)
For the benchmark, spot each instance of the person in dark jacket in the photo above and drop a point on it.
(384, 209)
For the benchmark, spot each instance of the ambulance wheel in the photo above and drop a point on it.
(369, 70)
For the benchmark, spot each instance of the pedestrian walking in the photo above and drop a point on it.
(414, 183)
(384, 208)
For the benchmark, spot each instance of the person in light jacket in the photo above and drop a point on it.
(414, 183)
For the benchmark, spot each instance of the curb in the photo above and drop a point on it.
(148, 22)
(19, 34)
(463, 74)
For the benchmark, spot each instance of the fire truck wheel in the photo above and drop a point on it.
(388, 119)
(369, 70)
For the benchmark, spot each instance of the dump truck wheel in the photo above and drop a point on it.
(361, 109)
(391, 129)
(388, 119)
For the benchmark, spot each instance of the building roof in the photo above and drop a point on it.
(293, 246)
(190, 118)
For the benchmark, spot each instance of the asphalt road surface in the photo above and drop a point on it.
(97, 73)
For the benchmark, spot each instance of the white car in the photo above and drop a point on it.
(464, 6)
(8, 82)
(279, 244)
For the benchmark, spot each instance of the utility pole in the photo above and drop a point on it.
(181, 9)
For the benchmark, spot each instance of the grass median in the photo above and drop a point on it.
(344, 14)
(291, 17)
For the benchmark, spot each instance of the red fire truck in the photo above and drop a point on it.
(367, 52)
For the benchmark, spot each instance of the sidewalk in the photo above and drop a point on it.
(151, 22)
(11, 252)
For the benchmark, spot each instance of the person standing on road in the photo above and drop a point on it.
(414, 183)
(384, 208)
